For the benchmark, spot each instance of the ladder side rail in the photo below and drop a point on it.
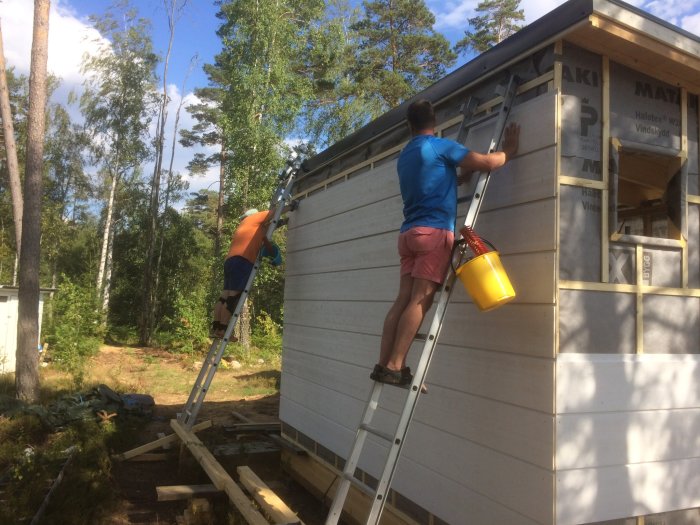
(481, 183)
(351, 463)
(200, 377)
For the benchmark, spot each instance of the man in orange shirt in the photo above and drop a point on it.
(246, 243)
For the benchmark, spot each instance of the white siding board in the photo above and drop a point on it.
(526, 178)
(521, 329)
(518, 380)
(623, 383)
(372, 219)
(375, 185)
(532, 276)
(529, 227)
(370, 252)
(537, 120)
(376, 284)
(495, 475)
(453, 503)
(479, 420)
(597, 494)
(619, 438)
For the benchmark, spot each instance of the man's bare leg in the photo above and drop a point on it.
(421, 299)
(392, 318)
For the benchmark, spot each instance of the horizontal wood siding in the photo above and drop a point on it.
(432, 455)
(483, 436)
(628, 435)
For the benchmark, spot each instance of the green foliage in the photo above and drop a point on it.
(498, 21)
(76, 334)
(267, 339)
(399, 51)
(190, 323)
(259, 70)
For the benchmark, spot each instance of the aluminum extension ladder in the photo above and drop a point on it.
(396, 441)
(281, 197)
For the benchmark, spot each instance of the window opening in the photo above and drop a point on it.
(648, 191)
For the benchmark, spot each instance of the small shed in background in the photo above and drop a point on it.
(9, 304)
(578, 402)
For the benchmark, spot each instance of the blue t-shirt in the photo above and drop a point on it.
(428, 179)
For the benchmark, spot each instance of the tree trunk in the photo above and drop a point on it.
(10, 150)
(106, 239)
(27, 371)
(149, 278)
(220, 204)
(108, 270)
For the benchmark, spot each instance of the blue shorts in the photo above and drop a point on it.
(236, 272)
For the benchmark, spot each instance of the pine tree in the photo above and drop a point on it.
(499, 21)
(399, 51)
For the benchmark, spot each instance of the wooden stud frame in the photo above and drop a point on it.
(640, 289)
(604, 158)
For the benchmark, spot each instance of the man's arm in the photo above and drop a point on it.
(474, 161)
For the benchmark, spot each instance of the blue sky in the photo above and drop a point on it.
(195, 34)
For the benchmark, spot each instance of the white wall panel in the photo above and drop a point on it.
(597, 494)
(618, 438)
(624, 383)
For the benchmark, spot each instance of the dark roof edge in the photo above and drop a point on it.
(533, 36)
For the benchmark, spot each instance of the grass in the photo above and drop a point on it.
(31, 454)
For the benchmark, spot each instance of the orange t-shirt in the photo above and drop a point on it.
(248, 237)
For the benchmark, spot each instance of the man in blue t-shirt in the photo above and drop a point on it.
(428, 179)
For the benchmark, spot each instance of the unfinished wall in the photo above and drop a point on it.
(482, 439)
(627, 424)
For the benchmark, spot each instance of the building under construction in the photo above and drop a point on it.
(578, 401)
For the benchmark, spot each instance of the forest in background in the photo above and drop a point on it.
(133, 255)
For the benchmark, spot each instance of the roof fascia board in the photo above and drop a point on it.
(657, 28)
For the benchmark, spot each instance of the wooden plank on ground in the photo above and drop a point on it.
(178, 492)
(253, 427)
(150, 456)
(170, 438)
(318, 477)
(270, 502)
(218, 475)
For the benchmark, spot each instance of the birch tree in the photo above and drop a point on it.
(27, 367)
(118, 107)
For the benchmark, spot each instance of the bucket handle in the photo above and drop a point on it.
(461, 242)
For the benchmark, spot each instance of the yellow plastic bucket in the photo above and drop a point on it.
(486, 281)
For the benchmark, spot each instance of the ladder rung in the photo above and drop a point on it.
(384, 435)
(421, 337)
(359, 484)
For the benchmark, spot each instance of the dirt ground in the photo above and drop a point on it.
(136, 481)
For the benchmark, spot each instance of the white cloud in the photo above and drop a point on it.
(453, 15)
(535, 9)
(691, 23)
(69, 38)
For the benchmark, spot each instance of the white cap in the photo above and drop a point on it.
(249, 213)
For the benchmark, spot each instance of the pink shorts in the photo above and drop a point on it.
(425, 252)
